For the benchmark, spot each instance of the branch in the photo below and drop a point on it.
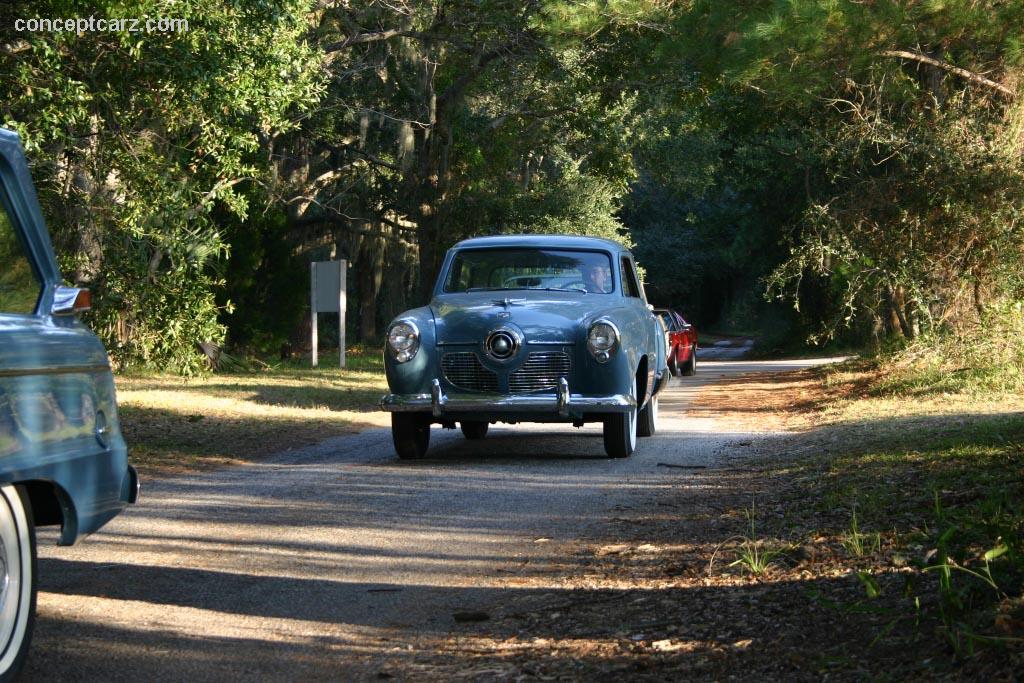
(370, 37)
(328, 177)
(946, 66)
(212, 194)
(14, 47)
(377, 161)
(454, 91)
(336, 217)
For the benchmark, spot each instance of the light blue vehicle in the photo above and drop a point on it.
(62, 458)
(528, 328)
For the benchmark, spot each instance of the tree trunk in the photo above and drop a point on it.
(370, 267)
(899, 306)
(979, 304)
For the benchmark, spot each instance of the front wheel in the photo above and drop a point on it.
(648, 419)
(620, 432)
(17, 579)
(411, 435)
(690, 367)
(474, 430)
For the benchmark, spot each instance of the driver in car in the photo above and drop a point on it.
(598, 278)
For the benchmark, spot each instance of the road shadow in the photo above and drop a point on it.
(715, 630)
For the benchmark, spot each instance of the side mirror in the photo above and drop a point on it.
(70, 300)
(650, 307)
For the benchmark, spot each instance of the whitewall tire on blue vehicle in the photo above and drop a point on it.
(620, 431)
(17, 579)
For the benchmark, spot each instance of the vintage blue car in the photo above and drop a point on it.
(62, 458)
(528, 328)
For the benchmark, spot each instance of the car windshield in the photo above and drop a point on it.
(548, 269)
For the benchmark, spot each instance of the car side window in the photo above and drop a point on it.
(19, 285)
(630, 286)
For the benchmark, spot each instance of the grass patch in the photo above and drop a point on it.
(173, 423)
(937, 467)
(754, 554)
(908, 481)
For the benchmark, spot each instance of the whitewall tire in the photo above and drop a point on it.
(17, 579)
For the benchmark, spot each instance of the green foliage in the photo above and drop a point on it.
(264, 280)
(135, 137)
(943, 468)
(987, 360)
(858, 543)
(753, 554)
(893, 182)
(973, 559)
(861, 160)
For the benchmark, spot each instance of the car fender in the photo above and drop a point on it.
(414, 376)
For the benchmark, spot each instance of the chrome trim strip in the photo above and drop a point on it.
(528, 343)
(562, 403)
(58, 370)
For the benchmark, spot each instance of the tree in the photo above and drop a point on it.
(135, 137)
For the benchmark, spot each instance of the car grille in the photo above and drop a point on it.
(463, 369)
(541, 370)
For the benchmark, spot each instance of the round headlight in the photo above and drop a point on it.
(403, 341)
(602, 339)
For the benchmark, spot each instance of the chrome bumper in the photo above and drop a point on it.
(561, 402)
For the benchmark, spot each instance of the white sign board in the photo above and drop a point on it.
(327, 295)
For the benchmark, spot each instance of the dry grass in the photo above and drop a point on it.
(175, 424)
(765, 402)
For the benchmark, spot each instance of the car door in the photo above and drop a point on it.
(649, 338)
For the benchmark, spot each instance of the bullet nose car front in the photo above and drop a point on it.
(525, 329)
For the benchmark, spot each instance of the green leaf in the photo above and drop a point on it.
(871, 586)
(995, 552)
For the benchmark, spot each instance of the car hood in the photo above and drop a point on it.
(541, 316)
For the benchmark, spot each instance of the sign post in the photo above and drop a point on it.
(327, 295)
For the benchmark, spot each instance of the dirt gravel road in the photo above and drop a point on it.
(338, 561)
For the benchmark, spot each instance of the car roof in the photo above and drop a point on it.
(542, 241)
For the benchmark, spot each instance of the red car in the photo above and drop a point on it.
(682, 342)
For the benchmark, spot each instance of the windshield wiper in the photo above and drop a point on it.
(528, 289)
(561, 289)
